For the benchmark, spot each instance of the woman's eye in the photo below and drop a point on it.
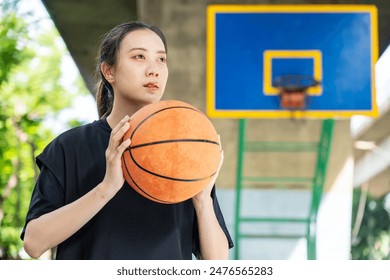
(139, 56)
(162, 59)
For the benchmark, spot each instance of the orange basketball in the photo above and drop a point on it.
(174, 151)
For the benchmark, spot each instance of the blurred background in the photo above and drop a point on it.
(284, 201)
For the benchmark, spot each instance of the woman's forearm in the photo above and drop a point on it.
(52, 228)
(213, 241)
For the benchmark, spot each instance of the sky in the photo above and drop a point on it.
(84, 106)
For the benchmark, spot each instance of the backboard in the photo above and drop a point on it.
(249, 46)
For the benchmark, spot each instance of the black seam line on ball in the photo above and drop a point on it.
(167, 177)
(159, 111)
(173, 141)
(143, 191)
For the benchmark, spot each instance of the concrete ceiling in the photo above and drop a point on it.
(81, 23)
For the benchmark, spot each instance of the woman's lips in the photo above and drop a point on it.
(152, 85)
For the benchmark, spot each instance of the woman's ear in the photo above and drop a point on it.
(107, 72)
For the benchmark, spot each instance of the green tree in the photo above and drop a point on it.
(30, 90)
(12, 32)
(371, 237)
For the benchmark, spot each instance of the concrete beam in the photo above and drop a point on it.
(375, 161)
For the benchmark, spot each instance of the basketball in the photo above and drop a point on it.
(174, 151)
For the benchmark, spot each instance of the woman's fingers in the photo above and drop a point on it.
(114, 175)
(117, 137)
(221, 150)
(122, 147)
(120, 124)
(221, 160)
(117, 133)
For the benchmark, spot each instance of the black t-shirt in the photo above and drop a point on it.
(129, 226)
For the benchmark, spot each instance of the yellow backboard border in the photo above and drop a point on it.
(212, 10)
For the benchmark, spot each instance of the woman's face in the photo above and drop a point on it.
(141, 73)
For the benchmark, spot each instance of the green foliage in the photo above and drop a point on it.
(14, 31)
(373, 239)
(31, 91)
(9, 237)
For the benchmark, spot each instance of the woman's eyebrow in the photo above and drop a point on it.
(145, 50)
(137, 49)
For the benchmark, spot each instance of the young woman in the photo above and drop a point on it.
(81, 202)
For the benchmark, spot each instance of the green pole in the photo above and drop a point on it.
(324, 149)
(240, 163)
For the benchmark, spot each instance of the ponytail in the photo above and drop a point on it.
(104, 98)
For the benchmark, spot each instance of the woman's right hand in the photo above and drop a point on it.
(114, 179)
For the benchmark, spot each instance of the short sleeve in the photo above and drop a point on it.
(221, 221)
(48, 195)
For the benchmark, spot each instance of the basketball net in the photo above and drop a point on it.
(293, 92)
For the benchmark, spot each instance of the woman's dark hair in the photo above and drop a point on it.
(108, 53)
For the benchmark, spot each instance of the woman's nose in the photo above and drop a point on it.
(152, 70)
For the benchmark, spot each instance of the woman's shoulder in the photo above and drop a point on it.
(82, 134)
(78, 142)
(86, 130)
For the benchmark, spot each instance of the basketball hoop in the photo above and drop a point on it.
(293, 90)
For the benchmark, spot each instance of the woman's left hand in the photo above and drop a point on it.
(206, 193)
(212, 239)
